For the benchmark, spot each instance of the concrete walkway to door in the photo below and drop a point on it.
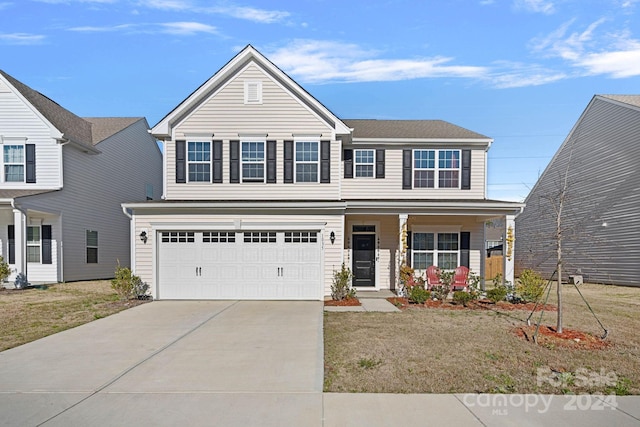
(173, 363)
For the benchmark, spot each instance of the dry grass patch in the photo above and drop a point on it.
(444, 351)
(29, 314)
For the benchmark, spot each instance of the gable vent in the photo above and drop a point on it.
(253, 92)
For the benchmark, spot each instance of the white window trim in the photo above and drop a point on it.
(296, 162)
(188, 162)
(39, 244)
(355, 163)
(436, 169)
(257, 84)
(264, 161)
(9, 141)
(435, 231)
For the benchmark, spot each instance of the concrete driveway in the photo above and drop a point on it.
(173, 363)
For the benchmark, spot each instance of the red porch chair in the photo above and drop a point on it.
(460, 276)
(433, 276)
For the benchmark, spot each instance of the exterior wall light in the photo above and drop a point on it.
(143, 236)
(332, 237)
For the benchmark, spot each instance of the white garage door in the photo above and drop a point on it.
(240, 265)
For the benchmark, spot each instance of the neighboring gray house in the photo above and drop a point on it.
(600, 221)
(267, 193)
(62, 182)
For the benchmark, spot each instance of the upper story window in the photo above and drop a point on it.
(365, 161)
(307, 160)
(14, 162)
(443, 173)
(199, 161)
(253, 161)
(148, 189)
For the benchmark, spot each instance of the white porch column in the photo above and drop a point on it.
(20, 239)
(509, 248)
(402, 246)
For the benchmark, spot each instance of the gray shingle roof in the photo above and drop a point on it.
(369, 128)
(13, 194)
(104, 127)
(84, 131)
(627, 99)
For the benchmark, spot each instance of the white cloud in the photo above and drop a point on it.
(535, 6)
(507, 75)
(614, 54)
(92, 29)
(21, 38)
(176, 28)
(263, 16)
(315, 61)
(188, 28)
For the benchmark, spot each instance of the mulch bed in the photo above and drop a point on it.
(404, 303)
(569, 338)
(349, 302)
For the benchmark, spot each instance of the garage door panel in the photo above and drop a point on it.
(247, 265)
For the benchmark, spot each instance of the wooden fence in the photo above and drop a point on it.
(493, 266)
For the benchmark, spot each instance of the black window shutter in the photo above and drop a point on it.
(380, 163)
(271, 162)
(11, 235)
(325, 162)
(288, 162)
(30, 154)
(466, 170)
(465, 246)
(217, 161)
(234, 162)
(181, 176)
(407, 170)
(348, 163)
(46, 244)
(409, 248)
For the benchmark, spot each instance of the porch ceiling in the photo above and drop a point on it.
(489, 208)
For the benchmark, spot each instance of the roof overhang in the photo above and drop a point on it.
(435, 207)
(240, 206)
(422, 142)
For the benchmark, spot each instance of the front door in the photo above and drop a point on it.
(364, 260)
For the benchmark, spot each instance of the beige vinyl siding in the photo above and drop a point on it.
(18, 120)
(390, 187)
(94, 188)
(279, 118)
(601, 157)
(145, 256)
(280, 114)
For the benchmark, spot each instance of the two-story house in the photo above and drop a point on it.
(62, 181)
(267, 193)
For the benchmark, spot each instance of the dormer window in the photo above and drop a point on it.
(253, 92)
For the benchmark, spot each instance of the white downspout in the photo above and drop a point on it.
(132, 239)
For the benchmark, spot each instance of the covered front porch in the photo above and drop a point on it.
(380, 239)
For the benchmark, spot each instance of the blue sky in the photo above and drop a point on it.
(519, 71)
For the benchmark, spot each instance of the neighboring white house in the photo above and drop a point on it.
(600, 220)
(267, 193)
(62, 182)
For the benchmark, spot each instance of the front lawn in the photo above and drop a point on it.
(433, 350)
(29, 314)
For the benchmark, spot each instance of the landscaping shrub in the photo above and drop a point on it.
(418, 294)
(440, 292)
(5, 271)
(341, 287)
(462, 297)
(127, 285)
(531, 286)
(406, 274)
(498, 293)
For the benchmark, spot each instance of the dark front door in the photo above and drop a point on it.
(364, 259)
